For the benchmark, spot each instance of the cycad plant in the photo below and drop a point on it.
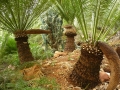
(91, 16)
(118, 50)
(17, 16)
(64, 8)
(103, 14)
(69, 32)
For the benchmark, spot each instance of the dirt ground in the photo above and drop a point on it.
(60, 68)
(61, 65)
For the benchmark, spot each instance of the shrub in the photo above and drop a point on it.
(39, 52)
(8, 45)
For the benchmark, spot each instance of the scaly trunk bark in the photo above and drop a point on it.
(23, 50)
(118, 51)
(21, 38)
(70, 44)
(69, 32)
(23, 47)
(86, 71)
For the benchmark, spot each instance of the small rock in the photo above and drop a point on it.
(77, 88)
(104, 76)
(106, 68)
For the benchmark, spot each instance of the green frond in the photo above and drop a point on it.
(96, 19)
(81, 7)
(92, 14)
(21, 14)
(66, 9)
(110, 20)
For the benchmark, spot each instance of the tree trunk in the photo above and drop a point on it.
(23, 50)
(86, 71)
(23, 47)
(70, 44)
(70, 32)
(118, 51)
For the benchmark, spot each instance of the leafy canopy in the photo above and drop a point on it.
(91, 15)
(21, 14)
(66, 9)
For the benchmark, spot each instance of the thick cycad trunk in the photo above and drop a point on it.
(70, 44)
(86, 71)
(70, 32)
(118, 51)
(24, 52)
(21, 38)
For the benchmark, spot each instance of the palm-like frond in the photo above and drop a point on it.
(90, 15)
(21, 14)
(104, 14)
(81, 6)
(66, 9)
(111, 16)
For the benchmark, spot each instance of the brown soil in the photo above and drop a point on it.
(60, 67)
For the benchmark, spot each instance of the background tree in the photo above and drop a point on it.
(52, 20)
(17, 16)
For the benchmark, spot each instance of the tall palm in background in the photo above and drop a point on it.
(17, 16)
(91, 15)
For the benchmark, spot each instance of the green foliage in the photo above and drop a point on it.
(28, 64)
(65, 9)
(8, 77)
(12, 80)
(10, 59)
(91, 15)
(49, 84)
(21, 14)
(3, 43)
(8, 50)
(35, 38)
(8, 45)
(37, 49)
(39, 52)
(99, 13)
(53, 22)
